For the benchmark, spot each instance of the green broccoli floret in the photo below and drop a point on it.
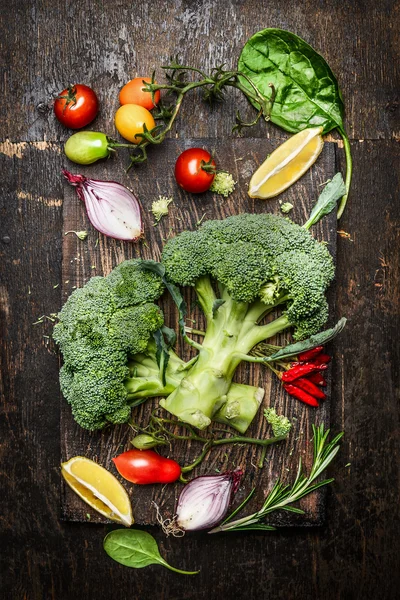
(243, 268)
(279, 423)
(101, 327)
(223, 184)
(105, 333)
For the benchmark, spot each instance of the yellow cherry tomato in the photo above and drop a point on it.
(130, 120)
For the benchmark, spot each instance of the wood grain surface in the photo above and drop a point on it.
(45, 45)
(98, 255)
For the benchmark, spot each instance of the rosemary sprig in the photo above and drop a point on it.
(281, 497)
(213, 86)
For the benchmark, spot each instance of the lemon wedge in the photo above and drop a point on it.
(286, 164)
(98, 488)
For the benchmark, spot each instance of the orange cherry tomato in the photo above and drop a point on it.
(130, 120)
(134, 93)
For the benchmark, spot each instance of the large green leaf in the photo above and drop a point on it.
(307, 92)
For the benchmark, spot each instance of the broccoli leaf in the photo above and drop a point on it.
(327, 201)
(313, 341)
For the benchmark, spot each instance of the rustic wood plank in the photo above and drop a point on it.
(99, 255)
(355, 555)
(105, 44)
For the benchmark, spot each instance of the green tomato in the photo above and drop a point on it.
(87, 147)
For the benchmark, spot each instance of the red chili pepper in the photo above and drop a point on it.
(321, 359)
(317, 379)
(310, 354)
(310, 387)
(302, 370)
(301, 395)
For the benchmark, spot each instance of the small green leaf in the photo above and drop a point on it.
(136, 549)
(319, 339)
(327, 201)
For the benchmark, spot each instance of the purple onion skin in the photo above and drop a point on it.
(187, 493)
(111, 207)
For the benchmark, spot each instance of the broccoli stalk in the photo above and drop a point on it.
(231, 333)
(258, 263)
(238, 407)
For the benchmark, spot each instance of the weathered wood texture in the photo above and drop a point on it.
(43, 46)
(103, 44)
(99, 255)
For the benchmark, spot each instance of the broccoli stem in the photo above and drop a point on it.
(231, 333)
(242, 401)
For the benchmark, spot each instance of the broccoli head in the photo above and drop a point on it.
(100, 327)
(243, 268)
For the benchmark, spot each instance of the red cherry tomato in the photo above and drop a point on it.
(146, 466)
(76, 106)
(189, 172)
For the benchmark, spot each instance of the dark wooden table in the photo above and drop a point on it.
(47, 44)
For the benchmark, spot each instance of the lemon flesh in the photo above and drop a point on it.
(98, 488)
(286, 164)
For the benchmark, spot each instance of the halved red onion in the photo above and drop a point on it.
(111, 207)
(204, 502)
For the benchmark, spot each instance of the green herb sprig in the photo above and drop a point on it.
(282, 496)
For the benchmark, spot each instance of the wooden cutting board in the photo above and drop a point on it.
(98, 255)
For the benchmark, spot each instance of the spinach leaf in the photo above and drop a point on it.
(327, 200)
(307, 93)
(136, 549)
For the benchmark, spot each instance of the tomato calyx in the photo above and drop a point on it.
(208, 166)
(70, 98)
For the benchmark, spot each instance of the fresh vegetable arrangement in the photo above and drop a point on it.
(254, 276)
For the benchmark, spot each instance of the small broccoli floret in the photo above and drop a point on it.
(286, 207)
(159, 208)
(279, 423)
(223, 184)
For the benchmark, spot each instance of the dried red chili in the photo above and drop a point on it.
(310, 387)
(301, 371)
(317, 378)
(300, 394)
(321, 359)
(310, 354)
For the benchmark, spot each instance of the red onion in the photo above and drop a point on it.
(204, 502)
(111, 207)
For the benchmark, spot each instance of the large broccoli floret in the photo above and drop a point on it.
(102, 326)
(243, 268)
(105, 333)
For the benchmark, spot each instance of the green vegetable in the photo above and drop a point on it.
(326, 203)
(307, 93)
(282, 496)
(286, 207)
(279, 423)
(223, 184)
(159, 208)
(117, 351)
(254, 263)
(319, 339)
(136, 549)
(105, 332)
(87, 147)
